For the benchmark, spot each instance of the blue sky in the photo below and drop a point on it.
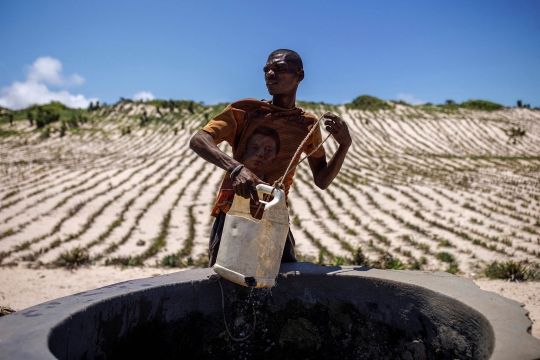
(213, 51)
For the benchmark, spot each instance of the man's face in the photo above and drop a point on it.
(260, 152)
(282, 78)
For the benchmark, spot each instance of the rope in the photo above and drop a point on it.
(213, 279)
(278, 183)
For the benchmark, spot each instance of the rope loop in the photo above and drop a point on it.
(279, 182)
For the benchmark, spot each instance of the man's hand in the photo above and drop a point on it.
(244, 183)
(338, 128)
(323, 172)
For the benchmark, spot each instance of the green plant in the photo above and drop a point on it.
(30, 117)
(445, 243)
(46, 116)
(45, 133)
(515, 133)
(371, 103)
(453, 268)
(174, 260)
(481, 105)
(339, 261)
(424, 247)
(387, 261)
(359, 258)
(529, 229)
(446, 257)
(507, 242)
(521, 270)
(63, 129)
(73, 259)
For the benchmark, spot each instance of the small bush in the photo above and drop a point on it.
(481, 105)
(453, 268)
(45, 117)
(63, 129)
(173, 261)
(359, 258)
(387, 261)
(512, 271)
(45, 133)
(73, 259)
(6, 310)
(445, 243)
(446, 257)
(371, 103)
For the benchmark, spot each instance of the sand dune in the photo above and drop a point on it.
(440, 191)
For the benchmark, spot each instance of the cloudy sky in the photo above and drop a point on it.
(213, 51)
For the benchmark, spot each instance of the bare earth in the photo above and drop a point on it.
(21, 288)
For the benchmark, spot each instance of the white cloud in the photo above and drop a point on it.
(45, 70)
(48, 70)
(144, 96)
(409, 98)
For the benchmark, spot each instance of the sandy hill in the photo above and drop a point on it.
(428, 187)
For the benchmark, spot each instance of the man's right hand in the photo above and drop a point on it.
(244, 184)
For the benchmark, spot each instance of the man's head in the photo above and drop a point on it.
(283, 72)
(261, 150)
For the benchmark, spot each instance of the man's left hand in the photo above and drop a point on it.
(338, 128)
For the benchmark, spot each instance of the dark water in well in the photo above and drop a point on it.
(295, 331)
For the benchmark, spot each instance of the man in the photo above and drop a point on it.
(283, 73)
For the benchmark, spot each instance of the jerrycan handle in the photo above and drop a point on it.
(278, 194)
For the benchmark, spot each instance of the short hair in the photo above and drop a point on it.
(290, 56)
(266, 131)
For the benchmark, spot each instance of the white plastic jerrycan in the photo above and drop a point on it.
(251, 249)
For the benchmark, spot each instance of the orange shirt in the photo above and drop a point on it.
(239, 119)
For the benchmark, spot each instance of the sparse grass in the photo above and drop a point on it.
(453, 268)
(73, 259)
(425, 248)
(445, 243)
(359, 258)
(472, 178)
(507, 242)
(445, 257)
(387, 261)
(510, 270)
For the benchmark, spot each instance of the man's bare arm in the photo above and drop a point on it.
(244, 182)
(325, 172)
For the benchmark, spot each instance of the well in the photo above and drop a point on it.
(316, 313)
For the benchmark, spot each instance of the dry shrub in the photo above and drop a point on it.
(6, 310)
(521, 270)
(73, 259)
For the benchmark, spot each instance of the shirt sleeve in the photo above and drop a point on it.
(316, 139)
(225, 125)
